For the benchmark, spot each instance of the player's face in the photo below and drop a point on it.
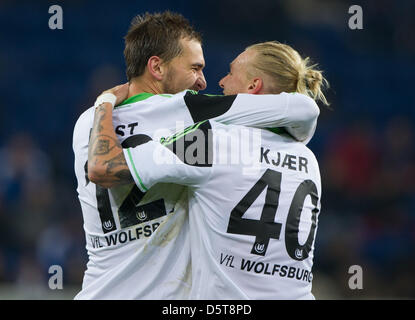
(236, 81)
(185, 71)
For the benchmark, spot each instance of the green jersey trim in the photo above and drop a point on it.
(277, 130)
(140, 97)
(205, 94)
(213, 95)
(135, 170)
(171, 139)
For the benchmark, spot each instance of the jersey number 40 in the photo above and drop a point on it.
(265, 228)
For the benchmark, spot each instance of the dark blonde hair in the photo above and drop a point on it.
(288, 71)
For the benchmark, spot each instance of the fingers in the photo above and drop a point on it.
(120, 92)
(117, 88)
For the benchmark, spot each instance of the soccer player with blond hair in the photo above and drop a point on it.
(135, 250)
(252, 231)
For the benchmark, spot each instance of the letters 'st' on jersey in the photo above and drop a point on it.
(138, 239)
(254, 199)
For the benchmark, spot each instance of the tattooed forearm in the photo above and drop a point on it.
(106, 162)
(100, 115)
(116, 171)
(124, 176)
(116, 163)
(118, 168)
(102, 147)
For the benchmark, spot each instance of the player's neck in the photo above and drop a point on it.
(140, 85)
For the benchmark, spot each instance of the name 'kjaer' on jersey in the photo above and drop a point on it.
(252, 235)
(132, 233)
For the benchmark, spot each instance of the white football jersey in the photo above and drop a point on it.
(138, 239)
(254, 199)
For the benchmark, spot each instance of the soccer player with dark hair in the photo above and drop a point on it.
(137, 238)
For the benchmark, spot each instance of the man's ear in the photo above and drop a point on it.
(155, 67)
(255, 86)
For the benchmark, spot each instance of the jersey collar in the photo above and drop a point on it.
(136, 98)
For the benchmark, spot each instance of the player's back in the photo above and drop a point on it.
(125, 229)
(253, 224)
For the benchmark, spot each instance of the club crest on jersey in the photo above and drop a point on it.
(299, 253)
(141, 215)
(259, 248)
(107, 225)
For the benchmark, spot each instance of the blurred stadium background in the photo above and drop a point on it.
(365, 146)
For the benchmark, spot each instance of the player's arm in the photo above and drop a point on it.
(106, 163)
(184, 158)
(296, 112)
(149, 162)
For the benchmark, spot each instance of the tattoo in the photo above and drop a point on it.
(117, 161)
(102, 147)
(118, 167)
(101, 112)
(105, 152)
(124, 176)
